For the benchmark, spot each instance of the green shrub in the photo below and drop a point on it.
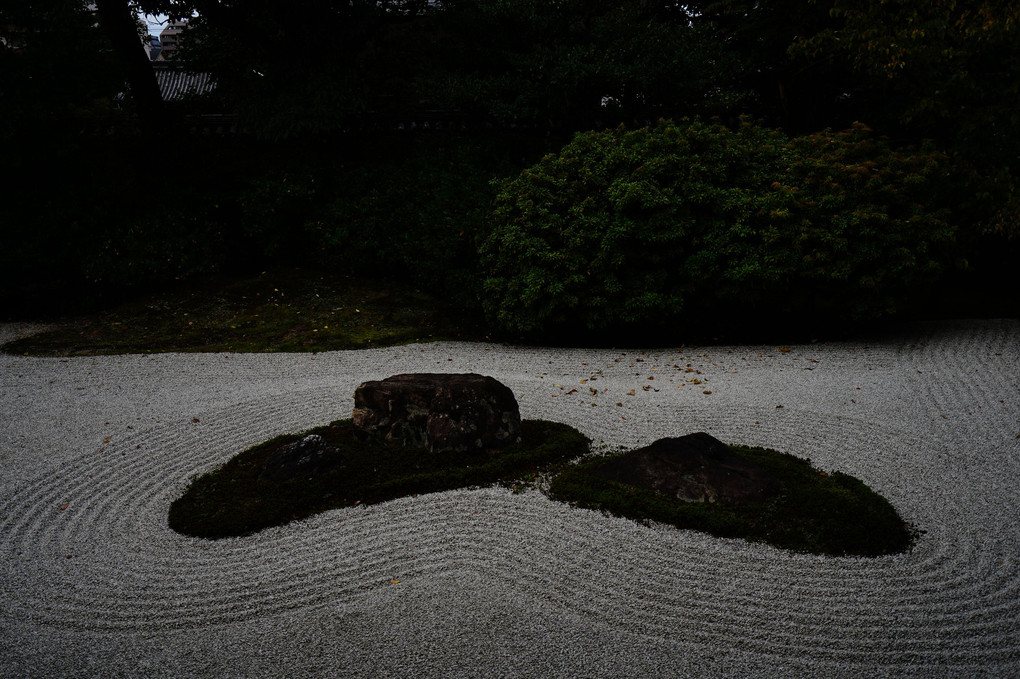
(623, 227)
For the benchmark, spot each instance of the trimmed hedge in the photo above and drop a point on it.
(624, 227)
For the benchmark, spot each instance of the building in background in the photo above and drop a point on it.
(154, 48)
(169, 39)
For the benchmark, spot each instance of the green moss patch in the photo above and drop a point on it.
(279, 310)
(834, 514)
(233, 500)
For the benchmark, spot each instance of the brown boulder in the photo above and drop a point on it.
(438, 412)
(693, 468)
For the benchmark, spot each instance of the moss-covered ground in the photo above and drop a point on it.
(277, 310)
(833, 514)
(816, 512)
(233, 500)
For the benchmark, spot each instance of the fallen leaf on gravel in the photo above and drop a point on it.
(65, 506)
(194, 419)
(630, 393)
(706, 392)
(572, 391)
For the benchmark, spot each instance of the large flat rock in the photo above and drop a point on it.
(439, 412)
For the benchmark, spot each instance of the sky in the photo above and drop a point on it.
(155, 22)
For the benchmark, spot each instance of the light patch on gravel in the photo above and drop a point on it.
(15, 331)
(483, 582)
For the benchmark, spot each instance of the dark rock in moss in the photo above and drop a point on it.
(438, 412)
(302, 459)
(693, 468)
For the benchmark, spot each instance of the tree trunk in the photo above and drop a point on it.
(118, 22)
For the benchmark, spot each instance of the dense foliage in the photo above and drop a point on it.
(58, 79)
(414, 212)
(577, 63)
(640, 226)
(113, 189)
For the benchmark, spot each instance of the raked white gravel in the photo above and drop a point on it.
(485, 583)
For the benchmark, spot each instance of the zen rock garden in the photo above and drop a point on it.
(440, 412)
(414, 434)
(435, 413)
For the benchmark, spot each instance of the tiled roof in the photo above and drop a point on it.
(176, 84)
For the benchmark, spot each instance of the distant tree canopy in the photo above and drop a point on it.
(940, 69)
(314, 66)
(944, 69)
(57, 75)
(328, 79)
(579, 63)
